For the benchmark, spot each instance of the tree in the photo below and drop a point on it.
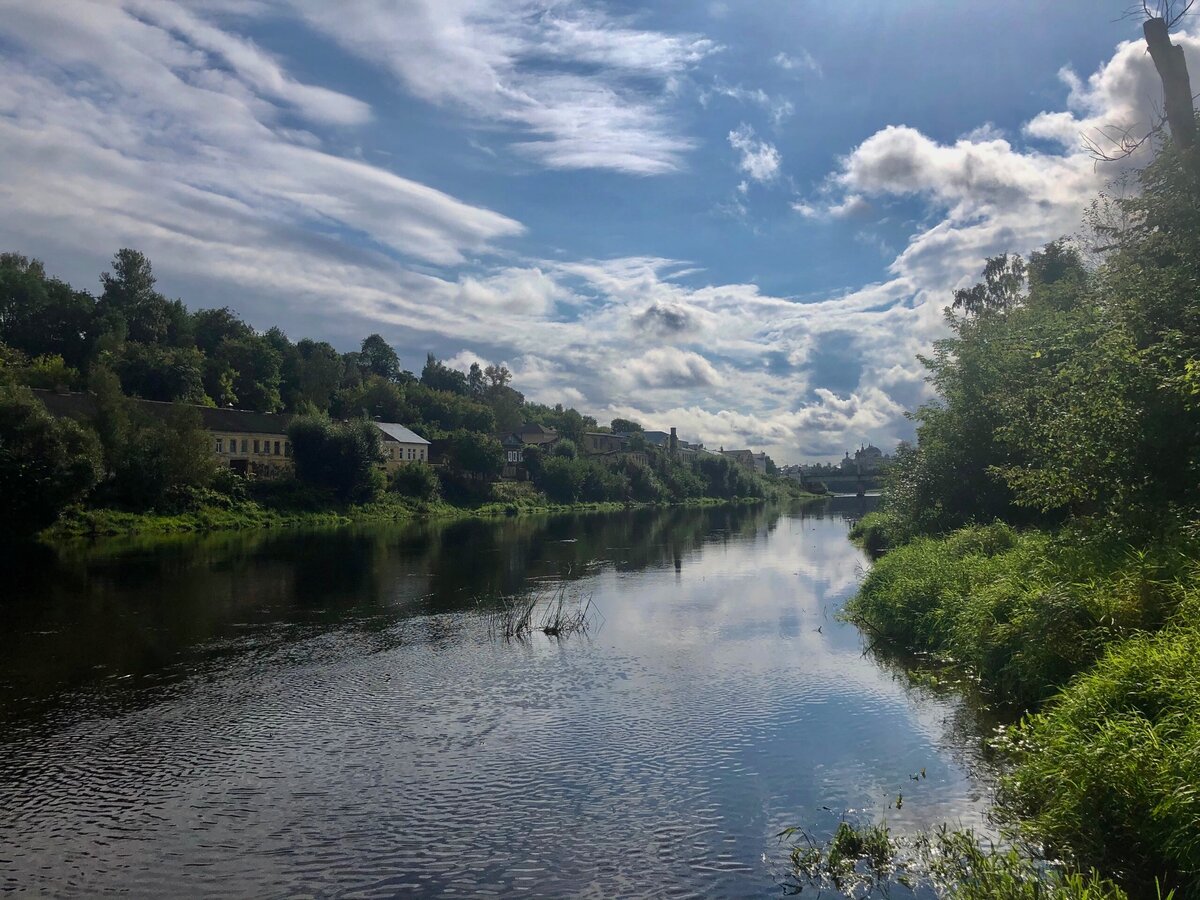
(156, 372)
(1000, 290)
(377, 357)
(342, 458)
(43, 316)
(415, 480)
(212, 326)
(620, 426)
(316, 374)
(479, 454)
(475, 382)
(45, 464)
(438, 376)
(255, 368)
(130, 302)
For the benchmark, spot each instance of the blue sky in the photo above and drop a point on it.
(739, 219)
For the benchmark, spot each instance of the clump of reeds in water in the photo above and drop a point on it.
(554, 612)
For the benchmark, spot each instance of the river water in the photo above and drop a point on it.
(330, 713)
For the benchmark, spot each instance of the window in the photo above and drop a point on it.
(220, 445)
(411, 454)
(277, 448)
(243, 445)
(422, 453)
(392, 452)
(256, 446)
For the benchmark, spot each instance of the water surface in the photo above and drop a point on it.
(327, 714)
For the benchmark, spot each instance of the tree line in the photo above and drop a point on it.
(130, 341)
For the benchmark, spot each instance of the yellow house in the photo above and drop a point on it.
(401, 446)
(251, 443)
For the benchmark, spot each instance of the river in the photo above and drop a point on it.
(329, 713)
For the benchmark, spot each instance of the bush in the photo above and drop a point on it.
(342, 458)
(562, 478)
(415, 480)
(45, 464)
(1109, 771)
(478, 454)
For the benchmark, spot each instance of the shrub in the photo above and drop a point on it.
(342, 458)
(562, 478)
(45, 464)
(415, 480)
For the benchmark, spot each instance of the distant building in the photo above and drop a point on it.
(250, 443)
(596, 443)
(741, 457)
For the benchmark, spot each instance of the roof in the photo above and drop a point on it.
(83, 407)
(532, 428)
(395, 432)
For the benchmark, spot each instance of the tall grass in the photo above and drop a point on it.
(1024, 612)
(1109, 772)
(868, 860)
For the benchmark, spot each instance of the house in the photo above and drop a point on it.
(596, 443)
(248, 442)
(760, 463)
(401, 446)
(741, 457)
(536, 435)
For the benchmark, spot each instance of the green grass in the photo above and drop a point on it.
(1023, 612)
(1109, 772)
(868, 861)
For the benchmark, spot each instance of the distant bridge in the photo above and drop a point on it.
(849, 484)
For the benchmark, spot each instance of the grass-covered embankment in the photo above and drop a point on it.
(1098, 641)
(214, 512)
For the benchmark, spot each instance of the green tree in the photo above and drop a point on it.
(130, 303)
(155, 372)
(479, 454)
(624, 425)
(43, 316)
(212, 326)
(45, 464)
(438, 376)
(342, 458)
(255, 367)
(378, 358)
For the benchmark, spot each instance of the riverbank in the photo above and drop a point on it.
(243, 514)
(1096, 643)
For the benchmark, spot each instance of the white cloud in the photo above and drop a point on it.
(158, 131)
(802, 62)
(517, 62)
(517, 291)
(758, 159)
(668, 367)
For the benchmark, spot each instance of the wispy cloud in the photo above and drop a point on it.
(517, 62)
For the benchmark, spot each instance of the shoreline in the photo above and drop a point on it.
(99, 524)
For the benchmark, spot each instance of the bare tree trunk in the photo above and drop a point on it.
(1177, 87)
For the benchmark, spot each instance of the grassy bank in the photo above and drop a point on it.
(1096, 642)
(242, 514)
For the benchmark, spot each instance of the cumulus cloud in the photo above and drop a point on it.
(516, 291)
(667, 367)
(517, 62)
(758, 159)
(148, 125)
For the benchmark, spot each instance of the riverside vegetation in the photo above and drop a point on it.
(1044, 534)
(126, 471)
